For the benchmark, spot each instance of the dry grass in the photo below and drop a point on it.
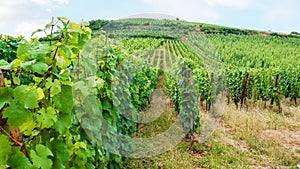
(271, 138)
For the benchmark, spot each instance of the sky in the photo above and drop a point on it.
(21, 17)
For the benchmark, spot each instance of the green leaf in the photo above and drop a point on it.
(3, 62)
(39, 51)
(74, 37)
(64, 100)
(26, 96)
(22, 52)
(107, 105)
(74, 27)
(40, 93)
(10, 66)
(63, 123)
(18, 160)
(5, 96)
(61, 18)
(61, 153)
(40, 157)
(63, 62)
(16, 80)
(55, 86)
(37, 31)
(47, 119)
(27, 128)
(5, 149)
(39, 68)
(16, 114)
(27, 65)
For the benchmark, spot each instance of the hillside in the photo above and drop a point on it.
(203, 27)
(149, 93)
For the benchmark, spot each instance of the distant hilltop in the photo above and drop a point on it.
(153, 16)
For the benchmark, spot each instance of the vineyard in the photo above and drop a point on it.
(77, 96)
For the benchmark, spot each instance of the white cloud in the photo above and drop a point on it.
(8, 8)
(21, 17)
(280, 14)
(50, 5)
(41, 2)
(62, 1)
(230, 3)
(44, 3)
(26, 28)
(192, 9)
(281, 17)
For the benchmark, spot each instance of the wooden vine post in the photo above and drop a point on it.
(211, 84)
(277, 91)
(244, 93)
(2, 84)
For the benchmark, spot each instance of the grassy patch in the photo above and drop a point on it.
(217, 155)
(175, 159)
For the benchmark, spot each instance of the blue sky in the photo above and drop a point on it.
(24, 16)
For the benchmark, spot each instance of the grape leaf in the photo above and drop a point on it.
(16, 80)
(22, 51)
(18, 160)
(3, 62)
(40, 157)
(64, 100)
(10, 66)
(5, 149)
(63, 62)
(5, 95)
(26, 96)
(60, 151)
(47, 119)
(27, 65)
(39, 68)
(40, 93)
(63, 122)
(16, 114)
(39, 51)
(55, 86)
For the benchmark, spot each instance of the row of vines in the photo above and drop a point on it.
(263, 84)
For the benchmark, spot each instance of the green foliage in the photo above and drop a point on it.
(97, 24)
(40, 103)
(18, 160)
(41, 107)
(256, 51)
(204, 87)
(142, 86)
(40, 157)
(261, 83)
(183, 91)
(8, 47)
(5, 150)
(235, 80)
